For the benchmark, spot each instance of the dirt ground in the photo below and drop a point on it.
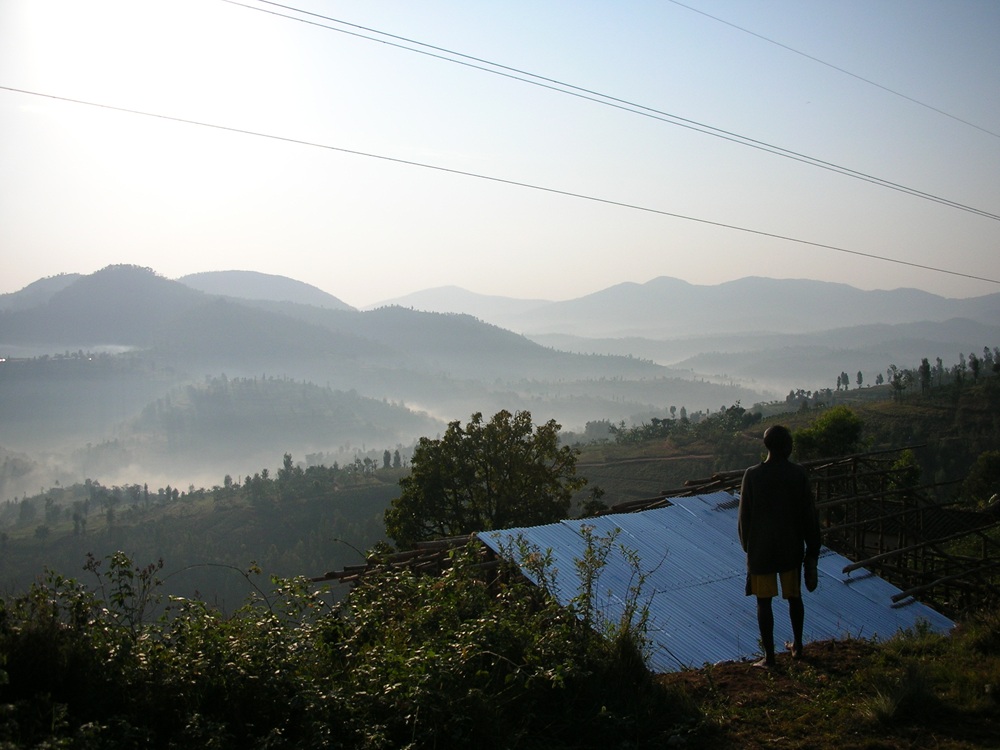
(815, 703)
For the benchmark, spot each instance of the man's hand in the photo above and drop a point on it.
(811, 574)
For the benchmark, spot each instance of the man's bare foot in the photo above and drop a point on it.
(795, 650)
(764, 663)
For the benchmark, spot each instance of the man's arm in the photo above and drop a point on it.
(810, 521)
(743, 522)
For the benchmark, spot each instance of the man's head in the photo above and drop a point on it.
(778, 441)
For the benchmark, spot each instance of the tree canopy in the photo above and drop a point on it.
(483, 476)
(837, 432)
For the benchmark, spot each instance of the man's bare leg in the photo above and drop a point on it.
(797, 613)
(765, 621)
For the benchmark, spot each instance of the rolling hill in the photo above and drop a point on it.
(667, 308)
(261, 286)
(84, 406)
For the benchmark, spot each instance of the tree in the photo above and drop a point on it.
(925, 375)
(896, 381)
(836, 432)
(960, 369)
(974, 366)
(982, 485)
(860, 379)
(987, 359)
(484, 476)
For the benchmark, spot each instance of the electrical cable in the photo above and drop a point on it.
(838, 69)
(501, 180)
(605, 99)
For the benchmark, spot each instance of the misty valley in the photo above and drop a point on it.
(133, 402)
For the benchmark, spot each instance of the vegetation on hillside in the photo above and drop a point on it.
(298, 520)
(407, 660)
(486, 475)
(473, 657)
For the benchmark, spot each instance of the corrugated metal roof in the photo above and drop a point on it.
(695, 571)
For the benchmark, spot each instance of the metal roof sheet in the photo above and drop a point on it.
(694, 573)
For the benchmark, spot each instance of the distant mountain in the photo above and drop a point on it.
(251, 285)
(784, 361)
(625, 353)
(453, 299)
(134, 307)
(124, 305)
(403, 371)
(667, 308)
(37, 293)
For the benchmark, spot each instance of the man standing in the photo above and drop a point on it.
(778, 529)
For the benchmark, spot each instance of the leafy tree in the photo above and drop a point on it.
(906, 470)
(836, 432)
(925, 375)
(896, 380)
(974, 366)
(983, 482)
(960, 369)
(484, 476)
(987, 359)
(860, 379)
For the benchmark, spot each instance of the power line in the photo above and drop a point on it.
(501, 180)
(605, 99)
(838, 69)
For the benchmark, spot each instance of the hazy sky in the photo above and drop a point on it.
(84, 187)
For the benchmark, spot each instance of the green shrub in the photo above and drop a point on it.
(405, 660)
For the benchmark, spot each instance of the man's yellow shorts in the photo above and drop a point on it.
(766, 586)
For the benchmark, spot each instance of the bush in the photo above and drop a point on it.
(406, 660)
(836, 432)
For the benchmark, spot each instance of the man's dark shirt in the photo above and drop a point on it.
(777, 517)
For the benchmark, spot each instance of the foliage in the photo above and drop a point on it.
(836, 432)
(406, 660)
(906, 470)
(727, 421)
(983, 481)
(486, 476)
(298, 519)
